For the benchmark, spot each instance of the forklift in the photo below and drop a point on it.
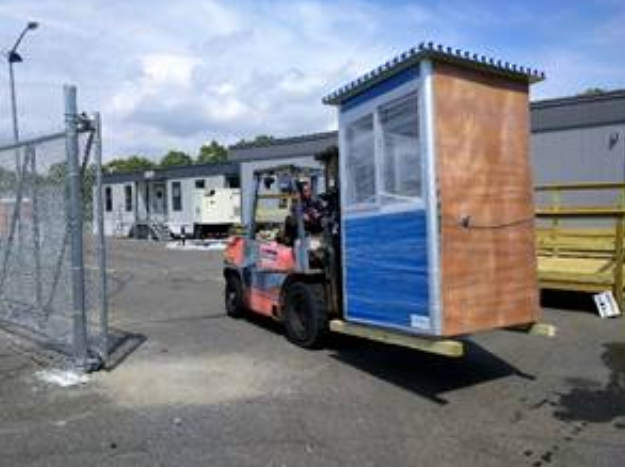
(282, 268)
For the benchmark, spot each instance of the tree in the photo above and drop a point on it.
(58, 172)
(212, 153)
(175, 158)
(263, 139)
(592, 92)
(130, 164)
(258, 140)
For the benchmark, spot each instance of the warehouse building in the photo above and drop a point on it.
(162, 201)
(580, 139)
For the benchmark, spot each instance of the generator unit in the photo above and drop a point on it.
(216, 211)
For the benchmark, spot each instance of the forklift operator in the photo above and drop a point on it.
(312, 214)
(312, 209)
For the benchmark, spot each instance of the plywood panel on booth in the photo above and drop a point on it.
(488, 264)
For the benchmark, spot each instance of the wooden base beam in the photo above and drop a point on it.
(536, 329)
(444, 347)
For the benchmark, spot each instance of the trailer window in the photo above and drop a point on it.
(128, 197)
(200, 183)
(360, 181)
(401, 164)
(108, 199)
(233, 182)
(176, 196)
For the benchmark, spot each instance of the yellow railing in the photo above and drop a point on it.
(582, 258)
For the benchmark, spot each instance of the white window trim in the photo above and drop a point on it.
(372, 108)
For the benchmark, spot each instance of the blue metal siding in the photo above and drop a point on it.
(386, 269)
(383, 87)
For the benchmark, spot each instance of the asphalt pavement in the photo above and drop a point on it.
(199, 388)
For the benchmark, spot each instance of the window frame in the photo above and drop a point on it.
(372, 117)
(108, 199)
(372, 107)
(382, 149)
(128, 198)
(176, 207)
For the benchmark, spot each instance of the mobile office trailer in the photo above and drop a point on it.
(436, 194)
(170, 199)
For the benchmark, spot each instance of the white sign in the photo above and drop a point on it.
(419, 321)
(606, 305)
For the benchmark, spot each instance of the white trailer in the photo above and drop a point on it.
(164, 203)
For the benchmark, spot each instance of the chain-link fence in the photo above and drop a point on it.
(52, 258)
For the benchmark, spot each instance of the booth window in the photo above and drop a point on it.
(176, 196)
(382, 157)
(361, 162)
(401, 165)
(108, 199)
(128, 197)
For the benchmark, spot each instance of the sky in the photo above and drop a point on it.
(175, 74)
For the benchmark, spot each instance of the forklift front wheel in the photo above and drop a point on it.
(235, 306)
(305, 314)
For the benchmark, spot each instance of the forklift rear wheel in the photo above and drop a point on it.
(234, 297)
(305, 314)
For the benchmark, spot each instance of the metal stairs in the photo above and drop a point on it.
(159, 231)
(152, 230)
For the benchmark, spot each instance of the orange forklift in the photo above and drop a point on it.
(286, 265)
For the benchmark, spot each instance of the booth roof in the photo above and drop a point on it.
(429, 50)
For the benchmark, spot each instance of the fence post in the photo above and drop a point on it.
(101, 246)
(75, 229)
(32, 152)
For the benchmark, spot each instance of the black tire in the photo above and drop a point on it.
(233, 295)
(305, 314)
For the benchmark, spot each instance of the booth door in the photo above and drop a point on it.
(385, 248)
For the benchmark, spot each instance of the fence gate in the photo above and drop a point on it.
(52, 251)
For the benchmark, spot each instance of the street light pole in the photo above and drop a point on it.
(14, 57)
(16, 132)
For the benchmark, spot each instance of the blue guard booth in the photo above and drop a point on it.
(389, 193)
(384, 192)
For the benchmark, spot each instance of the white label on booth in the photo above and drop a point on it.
(419, 321)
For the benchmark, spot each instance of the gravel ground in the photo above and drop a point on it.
(202, 388)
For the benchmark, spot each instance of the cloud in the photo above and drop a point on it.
(175, 74)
